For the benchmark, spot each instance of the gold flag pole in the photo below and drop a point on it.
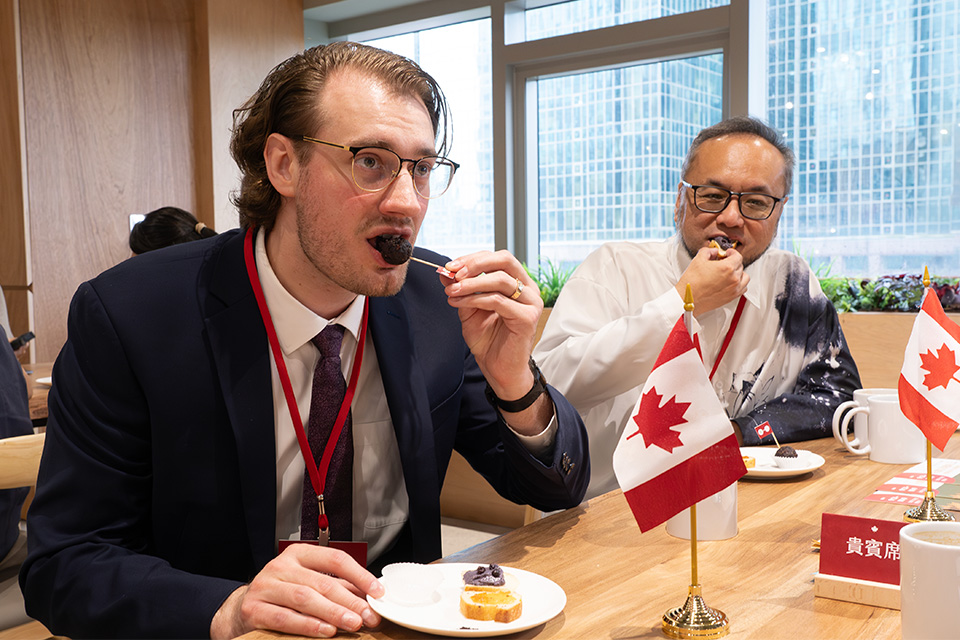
(928, 510)
(694, 619)
(688, 322)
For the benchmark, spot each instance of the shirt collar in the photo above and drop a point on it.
(761, 279)
(295, 324)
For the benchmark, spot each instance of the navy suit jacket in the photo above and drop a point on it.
(157, 489)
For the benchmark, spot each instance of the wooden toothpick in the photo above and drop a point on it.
(441, 270)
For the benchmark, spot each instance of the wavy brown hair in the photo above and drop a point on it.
(286, 103)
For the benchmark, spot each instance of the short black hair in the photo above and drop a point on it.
(164, 227)
(750, 126)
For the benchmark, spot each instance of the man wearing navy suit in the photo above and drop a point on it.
(172, 464)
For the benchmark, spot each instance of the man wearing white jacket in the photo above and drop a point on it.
(769, 338)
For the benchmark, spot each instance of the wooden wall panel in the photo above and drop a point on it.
(109, 118)
(245, 39)
(127, 106)
(877, 342)
(15, 276)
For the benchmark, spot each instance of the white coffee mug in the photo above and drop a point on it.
(716, 517)
(892, 438)
(860, 422)
(930, 580)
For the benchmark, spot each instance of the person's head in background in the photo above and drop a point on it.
(165, 227)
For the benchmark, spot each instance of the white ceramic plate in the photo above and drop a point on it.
(767, 467)
(47, 381)
(542, 600)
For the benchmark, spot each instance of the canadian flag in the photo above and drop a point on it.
(929, 386)
(679, 446)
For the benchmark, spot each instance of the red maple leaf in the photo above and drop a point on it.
(942, 367)
(654, 421)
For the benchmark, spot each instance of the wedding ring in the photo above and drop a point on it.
(516, 294)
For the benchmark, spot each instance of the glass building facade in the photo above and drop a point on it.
(584, 15)
(610, 146)
(460, 221)
(867, 93)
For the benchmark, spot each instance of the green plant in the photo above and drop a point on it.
(844, 293)
(892, 293)
(902, 292)
(550, 280)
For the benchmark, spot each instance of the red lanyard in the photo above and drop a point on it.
(729, 336)
(318, 475)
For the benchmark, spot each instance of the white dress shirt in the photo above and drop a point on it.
(380, 501)
(380, 506)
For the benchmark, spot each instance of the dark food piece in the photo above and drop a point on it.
(725, 243)
(489, 576)
(786, 452)
(394, 249)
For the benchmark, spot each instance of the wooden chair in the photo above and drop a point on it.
(19, 464)
(20, 460)
(467, 496)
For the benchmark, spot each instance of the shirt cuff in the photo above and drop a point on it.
(541, 444)
(670, 306)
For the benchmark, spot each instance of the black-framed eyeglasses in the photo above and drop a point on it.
(375, 168)
(753, 206)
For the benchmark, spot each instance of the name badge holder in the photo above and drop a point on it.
(318, 474)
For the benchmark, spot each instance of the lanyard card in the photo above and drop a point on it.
(356, 550)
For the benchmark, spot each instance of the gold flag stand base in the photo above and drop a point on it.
(695, 619)
(927, 511)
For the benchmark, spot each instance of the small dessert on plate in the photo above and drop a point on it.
(788, 458)
(749, 462)
(488, 596)
(490, 603)
(490, 575)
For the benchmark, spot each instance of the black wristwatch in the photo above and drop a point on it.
(514, 406)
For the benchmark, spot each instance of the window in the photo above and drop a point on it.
(461, 221)
(593, 103)
(877, 149)
(609, 146)
(576, 16)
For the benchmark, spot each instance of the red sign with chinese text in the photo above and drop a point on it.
(860, 548)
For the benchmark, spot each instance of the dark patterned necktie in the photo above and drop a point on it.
(329, 388)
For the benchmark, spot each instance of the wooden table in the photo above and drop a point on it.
(29, 631)
(38, 401)
(619, 582)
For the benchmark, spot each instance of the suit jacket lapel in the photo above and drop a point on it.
(239, 350)
(407, 398)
